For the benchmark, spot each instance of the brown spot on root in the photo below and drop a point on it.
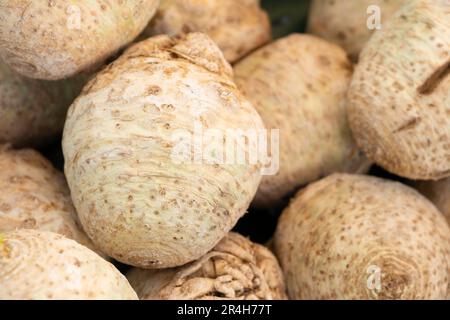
(341, 36)
(408, 125)
(29, 223)
(435, 79)
(154, 90)
(324, 61)
(77, 263)
(5, 207)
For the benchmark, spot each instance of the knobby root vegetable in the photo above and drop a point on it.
(32, 112)
(34, 195)
(399, 101)
(237, 26)
(45, 265)
(360, 237)
(56, 39)
(235, 269)
(140, 196)
(350, 24)
(298, 85)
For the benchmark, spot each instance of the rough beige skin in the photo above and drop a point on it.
(360, 237)
(135, 198)
(235, 269)
(438, 192)
(237, 26)
(399, 101)
(32, 112)
(45, 265)
(345, 22)
(34, 195)
(298, 85)
(55, 39)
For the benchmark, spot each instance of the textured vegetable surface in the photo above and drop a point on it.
(34, 195)
(298, 85)
(439, 193)
(137, 201)
(235, 269)
(360, 237)
(237, 26)
(32, 112)
(349, 23)
(45, 265)
(399, 101)
(56, 39)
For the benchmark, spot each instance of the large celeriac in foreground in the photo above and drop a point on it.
(360, 237)
(136, 198)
